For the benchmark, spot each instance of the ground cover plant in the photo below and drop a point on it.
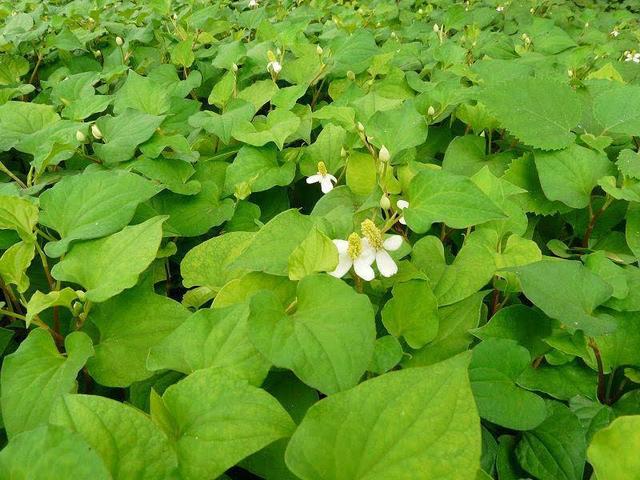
(320, 240)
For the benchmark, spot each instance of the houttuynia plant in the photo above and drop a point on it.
(320, 239)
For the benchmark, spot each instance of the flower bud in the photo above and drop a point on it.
(360, 127)
(384, 154)
(351, 76)
(76, 308)
(319, 50)
(81, 295)
(431, 111)
(385, 203)
(95, 131)
(80, 136)
(119, 41)
(234, 67)
(343, 152)
(436, 28)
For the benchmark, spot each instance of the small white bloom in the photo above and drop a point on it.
(253, 4)
(499, 8)
(95, 131)
(402, 204)
(436, 28)
(385, 203)
(80, 136)
(381, 248)
(636, 57)
(119, 41)
(384, 154)
(274, 67)
(431, 111)
(356, 252)
(570, 72)
(586, 25)
(323, 177)
(628, 57)
(614, 33)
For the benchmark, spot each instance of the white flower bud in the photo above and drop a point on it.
(385, 203)
(119, 41)
(319, 50)
(234, 67)
(253, 3)
(431, 111)
(80, 136)
(350, 75)
(384, 154)
(95, 131)
(570, 72)
(436, 28)
(274, 66)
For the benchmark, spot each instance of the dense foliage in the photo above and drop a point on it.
(320, 240)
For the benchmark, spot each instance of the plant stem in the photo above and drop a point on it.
(4, 169)
(602, 388)
(593, 219)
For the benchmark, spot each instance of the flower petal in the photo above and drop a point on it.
(402, 221)
(367, 251)
(314, 178)
(362, 267)
(341, 245)
(332, 178)
(325, 184)
(385, 263)
(344, 264)
(402, 204)
(392, 243)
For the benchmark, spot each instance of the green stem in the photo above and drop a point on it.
(4, 169)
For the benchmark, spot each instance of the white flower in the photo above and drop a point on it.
(119, 41)
(402, 204)
(323, 177)
(356, 252)
(436, 28)
(253, 4)
(274, 66)
(80, 136)
(499, 8)
(95, 131)
(614, 33)
(636, 57)
(381, 248)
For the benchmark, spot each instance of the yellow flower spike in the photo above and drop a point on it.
(322, 168)
(372, 233)
(355, 246)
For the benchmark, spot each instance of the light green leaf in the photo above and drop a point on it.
(613, 450)
(316, 253)
(453, 332)
(393, 426)
(438, 196)
(617, 109)
(270, 248)
(567, 291)
(259, 169)
(107, 266)
(36, 375)
(126, 440)
(208, 264)
(56, 298)
(539, 112)
(219, 420)
(570, 175)
(142, 94)
(494, 369)
(130, 324)
(412, 313)
(279, 125)
(14, 263)
(92, 205)
(18, 214)
(123, 133)
(50, 453)
(326, 337)
(398, 129)
(555, 449)
(216, 338)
